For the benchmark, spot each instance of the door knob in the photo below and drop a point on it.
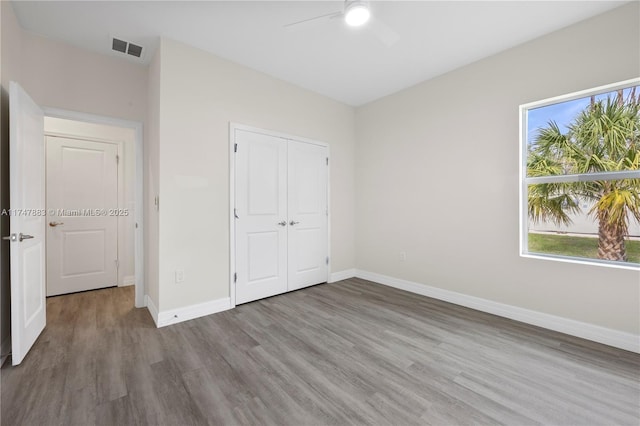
(54, 224)
(24, 237)
(293, 223)
(283, 223)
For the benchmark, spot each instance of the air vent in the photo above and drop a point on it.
(134, 50)
(119, 45)
(126, 47)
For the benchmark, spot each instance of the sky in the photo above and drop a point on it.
(562, 113)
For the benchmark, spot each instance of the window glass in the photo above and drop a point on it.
(582, 176)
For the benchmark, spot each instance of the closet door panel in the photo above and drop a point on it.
(308, 214)
(261, 210)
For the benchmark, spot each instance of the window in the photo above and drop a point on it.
(580, 173)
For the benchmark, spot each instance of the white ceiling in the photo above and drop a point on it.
(351, 65)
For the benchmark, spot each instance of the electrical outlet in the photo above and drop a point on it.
(403, 256)
(179, 275)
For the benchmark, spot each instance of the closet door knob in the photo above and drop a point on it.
(293, 223)
(283, 223)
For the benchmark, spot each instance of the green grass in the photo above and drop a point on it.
(576, 246)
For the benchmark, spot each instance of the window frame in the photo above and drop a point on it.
(585, 177)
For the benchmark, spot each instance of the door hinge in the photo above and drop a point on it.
(235, 214)
(327, 161)
(117, 264)
(235, 147)
(327, 260)
(235, 277)
(117, 159)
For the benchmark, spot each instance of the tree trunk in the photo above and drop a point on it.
(611, 239)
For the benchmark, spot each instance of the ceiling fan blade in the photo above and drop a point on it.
(312, 21)
(383, 32)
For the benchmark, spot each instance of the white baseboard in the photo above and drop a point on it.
(342, 275)
(128, 280)
(174, 316)
(5, 349)
(607, 336)
(153, 310)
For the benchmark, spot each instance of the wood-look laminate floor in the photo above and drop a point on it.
(352, 352)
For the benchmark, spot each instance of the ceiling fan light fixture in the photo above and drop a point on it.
(357, 13)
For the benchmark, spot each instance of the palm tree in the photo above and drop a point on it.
(604, 137)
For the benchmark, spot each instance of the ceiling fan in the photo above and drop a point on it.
(355, 13)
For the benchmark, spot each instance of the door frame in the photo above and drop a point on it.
(233, 126)
(140, 301)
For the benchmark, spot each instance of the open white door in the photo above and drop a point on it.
(27, 200)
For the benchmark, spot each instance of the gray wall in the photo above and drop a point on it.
(437, 176)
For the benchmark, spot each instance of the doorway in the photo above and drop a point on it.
(111, 219)
(90, 200)
(28, 227)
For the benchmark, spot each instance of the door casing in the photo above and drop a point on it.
(232, 202)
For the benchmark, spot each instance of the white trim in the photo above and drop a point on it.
(128, 280)
(232, 219)
(329, 212)
(233, 126)
(120, 220)
(342, 275)
(153, 310)
(607, 336)
(140, 300)
(5, 349)
(584, 177)
(523, 218)
(186, 313)
(582, 93)
(237, 126)
(583, 261)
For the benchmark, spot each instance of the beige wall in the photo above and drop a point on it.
(63, 76)
(435, 161)
(199, 95)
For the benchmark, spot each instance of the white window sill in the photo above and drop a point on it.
(582, 261)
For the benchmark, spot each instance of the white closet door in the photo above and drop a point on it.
(82, 237)
(261, 210)
(308, 214)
